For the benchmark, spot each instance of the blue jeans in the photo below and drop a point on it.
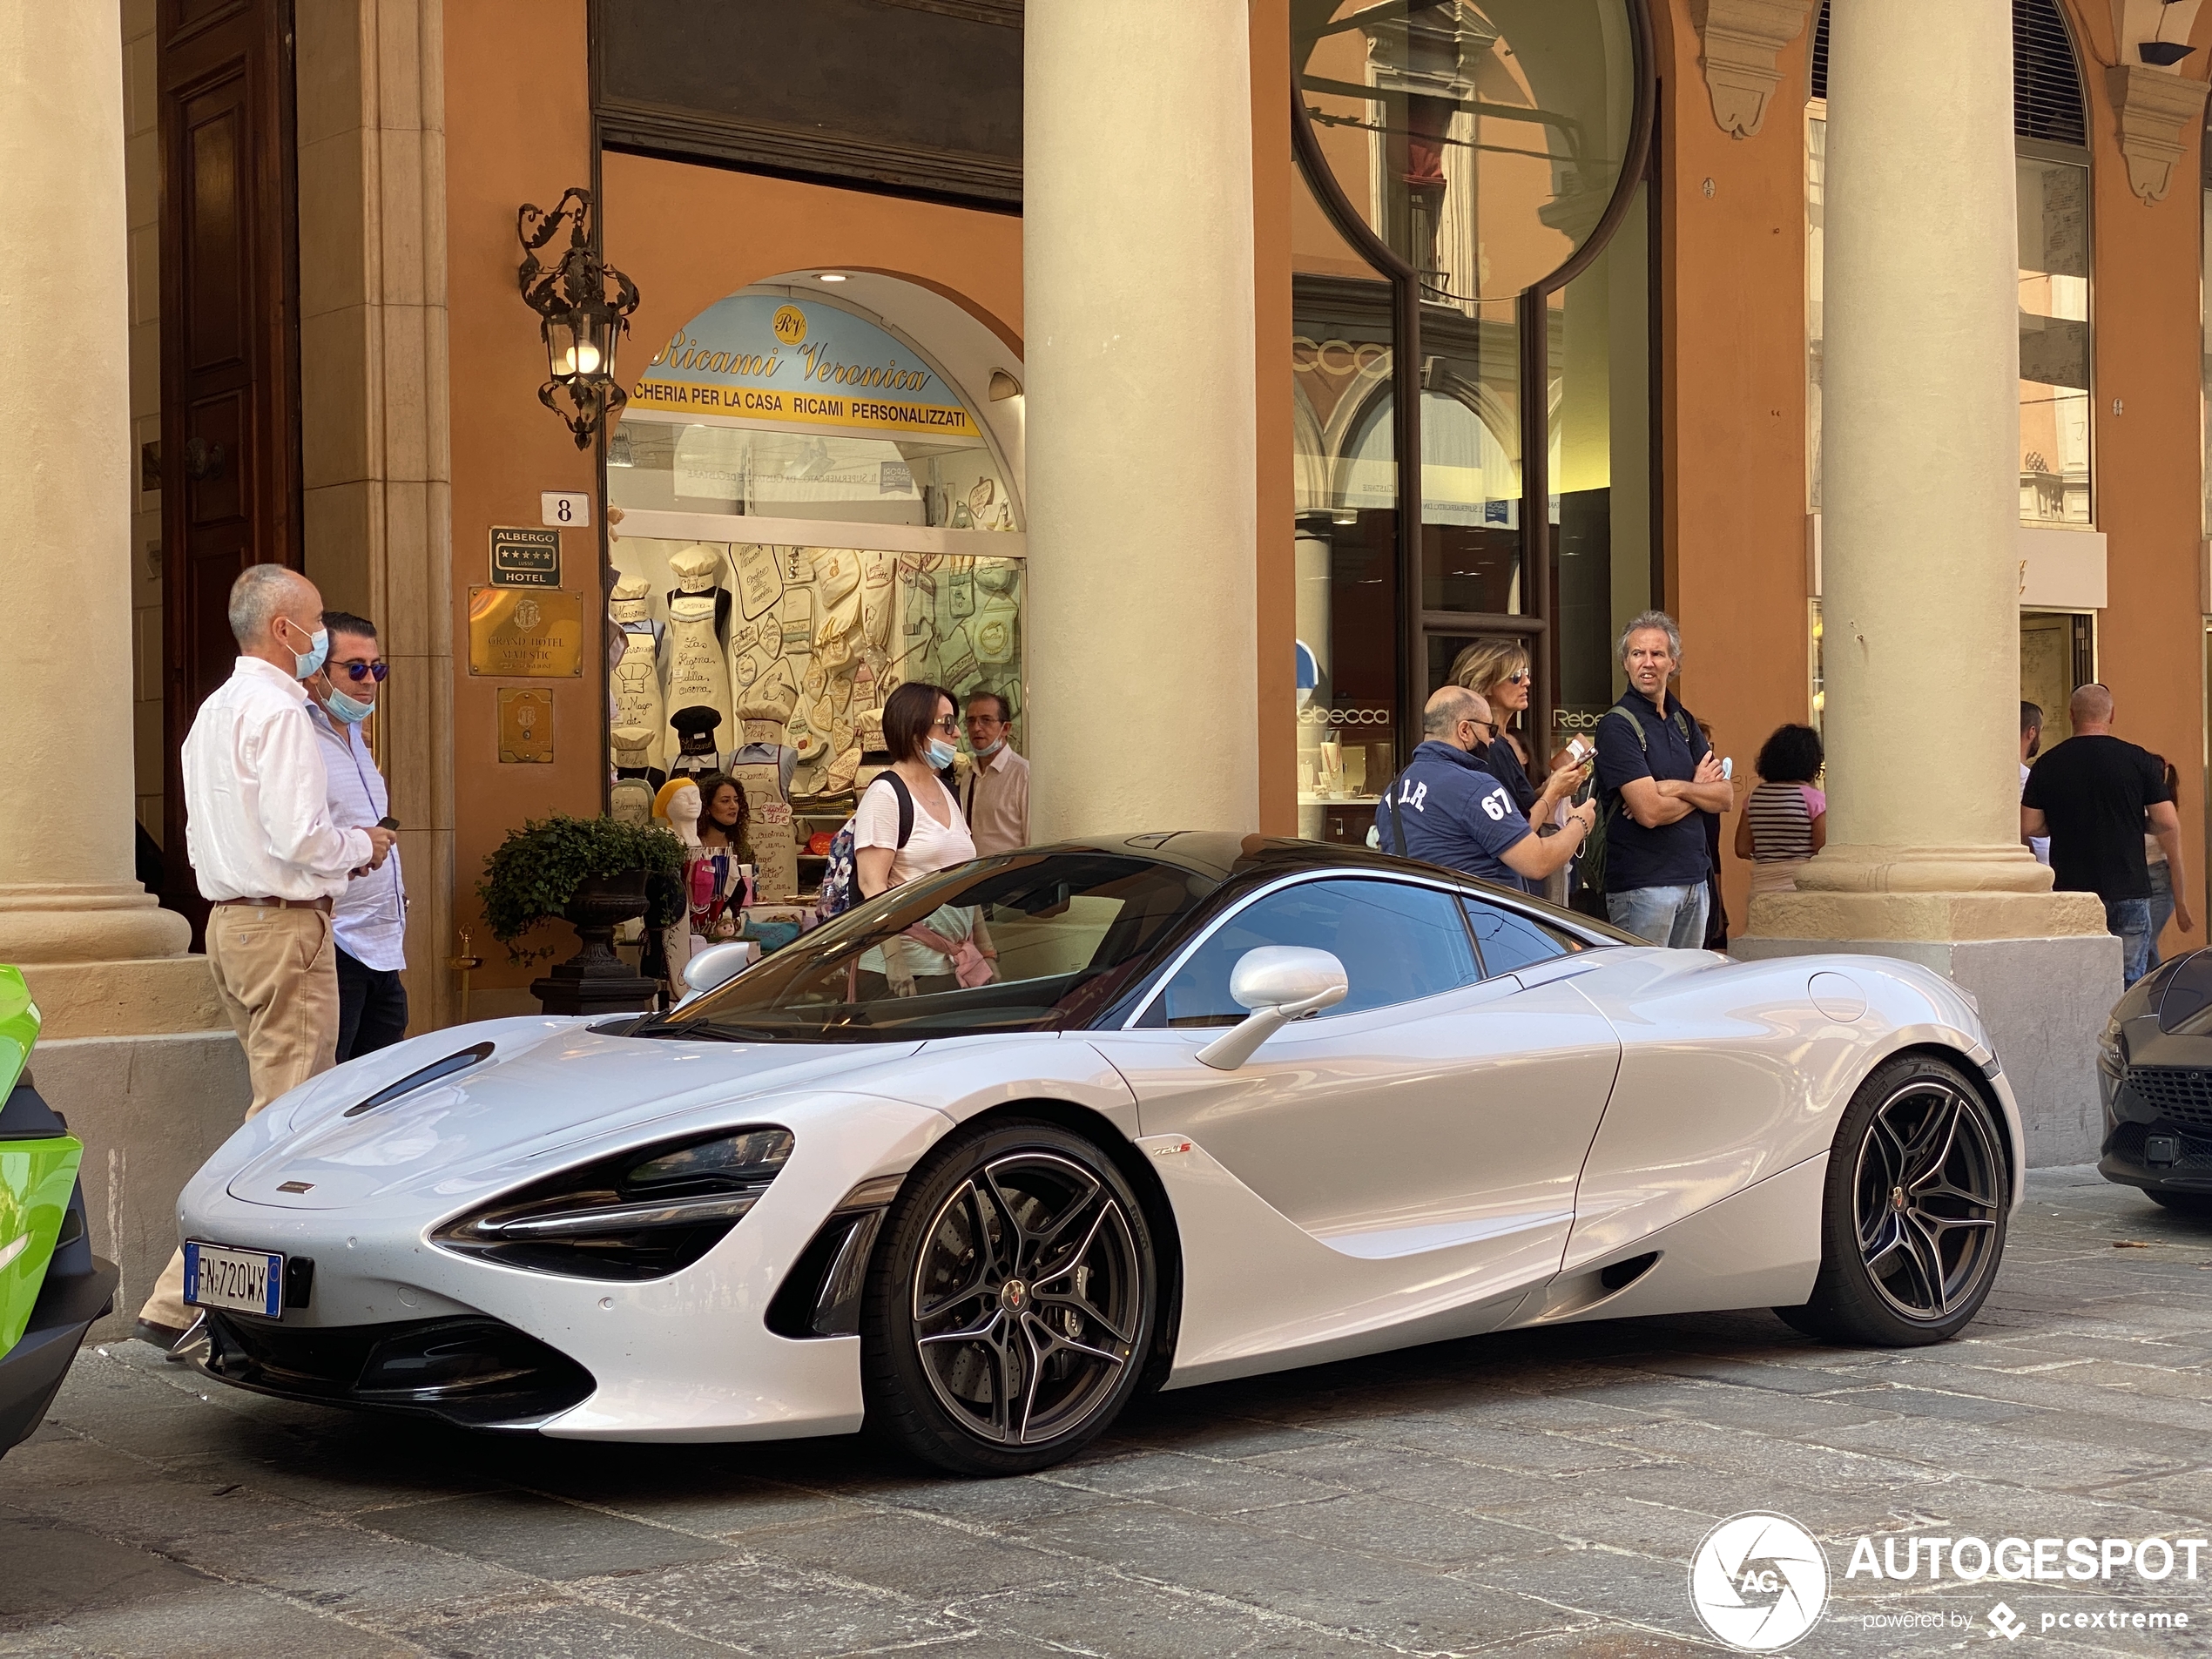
(2130, 919)
(1672, 916)
(2161, 908)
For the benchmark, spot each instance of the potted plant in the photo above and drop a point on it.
(591, 872)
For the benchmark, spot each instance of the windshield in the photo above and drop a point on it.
(1026, 941)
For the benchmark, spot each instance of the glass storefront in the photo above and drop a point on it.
(1459, 236)
(2053, 199)
(804, 515)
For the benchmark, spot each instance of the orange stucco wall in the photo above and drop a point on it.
(1733, 404)
(517, 130)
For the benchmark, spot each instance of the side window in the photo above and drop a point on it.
(1510, 940)
(1396, 942)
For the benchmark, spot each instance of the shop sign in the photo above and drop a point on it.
(766, 359)
(526, 633)
(525, 724)
(525, 559)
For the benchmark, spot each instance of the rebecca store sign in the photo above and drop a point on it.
(763, 359)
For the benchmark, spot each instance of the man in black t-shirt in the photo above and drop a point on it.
(2089, 795)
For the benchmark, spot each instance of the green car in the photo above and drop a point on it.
(51, 1285)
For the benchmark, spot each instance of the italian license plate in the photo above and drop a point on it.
(251, 1281)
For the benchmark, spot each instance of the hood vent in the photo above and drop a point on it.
(429, 1074)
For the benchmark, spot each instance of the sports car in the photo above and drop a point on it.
(975, 1163)
(2155, 1072)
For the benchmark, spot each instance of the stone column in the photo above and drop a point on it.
(1142, 653)
(1921, 504)
(68, 892)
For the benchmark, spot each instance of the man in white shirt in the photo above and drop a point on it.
(2031, 743)
(996, 796)
(370, 916)
(268, 856)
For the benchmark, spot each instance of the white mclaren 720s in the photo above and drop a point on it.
(982, 1159)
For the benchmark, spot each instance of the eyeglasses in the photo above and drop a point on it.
(1519, 677)
(949, 727)
(359, 671)
(985, 719)
(1491, 727)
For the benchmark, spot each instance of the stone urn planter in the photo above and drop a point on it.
(591, 872)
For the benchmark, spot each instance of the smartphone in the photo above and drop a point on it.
(388, 822)
(1581, 747)
(1728, 767)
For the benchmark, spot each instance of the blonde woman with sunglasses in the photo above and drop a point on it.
(1497, 672)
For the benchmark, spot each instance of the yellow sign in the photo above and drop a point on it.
(525, 724)
(790, 324)
(525, 633)
(803, 409)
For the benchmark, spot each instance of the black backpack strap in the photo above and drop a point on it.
(906, 803)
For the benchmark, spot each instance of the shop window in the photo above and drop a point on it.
(805, 513)
(1462, 166)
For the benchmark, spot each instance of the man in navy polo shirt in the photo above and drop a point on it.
(1652, 757)
(1446, 809)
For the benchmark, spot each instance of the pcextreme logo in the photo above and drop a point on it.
(1759, 1581)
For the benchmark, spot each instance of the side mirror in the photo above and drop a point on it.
(1278, 983)
(715, 965)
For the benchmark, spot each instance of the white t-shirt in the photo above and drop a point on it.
(2039, 845)
(929, 847)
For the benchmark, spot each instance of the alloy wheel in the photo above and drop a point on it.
(1928, 1195)
(1026, 1299)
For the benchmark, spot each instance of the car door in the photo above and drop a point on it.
(1436, 1107)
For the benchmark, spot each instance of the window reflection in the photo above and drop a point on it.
(2054, 341)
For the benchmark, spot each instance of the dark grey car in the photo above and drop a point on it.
(2155, 1072)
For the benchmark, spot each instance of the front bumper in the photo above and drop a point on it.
(31, 1372)
(686, 1357)
(472, 1373)
(2137, 1125)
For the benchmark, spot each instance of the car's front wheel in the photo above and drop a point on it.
(1010, 1304)
(1912, 1224)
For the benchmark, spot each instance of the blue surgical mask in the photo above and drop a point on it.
(350, 710)
(319, 651)
(940, 753)
(989, 750)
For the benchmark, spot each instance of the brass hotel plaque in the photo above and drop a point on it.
(525, 633)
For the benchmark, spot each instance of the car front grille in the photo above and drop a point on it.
(2182, 1093)
(2127, 1143)
(477, 1373)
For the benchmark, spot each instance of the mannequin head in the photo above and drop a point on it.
(678, 802)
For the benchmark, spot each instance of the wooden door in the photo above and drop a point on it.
(230, 348)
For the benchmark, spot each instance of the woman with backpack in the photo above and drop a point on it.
(907, 824)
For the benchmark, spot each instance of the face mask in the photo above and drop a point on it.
(986, 753)
(319, 643)
(940, 753)
(348, 710)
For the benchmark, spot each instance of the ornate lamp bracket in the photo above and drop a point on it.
(584, 308)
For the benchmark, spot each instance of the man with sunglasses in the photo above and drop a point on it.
(1447, 809)
(370, 916)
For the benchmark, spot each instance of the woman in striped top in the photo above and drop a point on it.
(1786, 821)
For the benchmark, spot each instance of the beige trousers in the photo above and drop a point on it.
(276, 972)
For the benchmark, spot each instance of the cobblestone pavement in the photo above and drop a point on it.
(1543, 1492)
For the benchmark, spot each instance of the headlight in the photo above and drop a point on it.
(2111, 1054)
(641, 1214)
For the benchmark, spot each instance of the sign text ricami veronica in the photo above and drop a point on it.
(764, 357)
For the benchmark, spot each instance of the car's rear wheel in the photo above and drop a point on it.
(1913, 1226)
(2181, 1203)
(1010, 1304)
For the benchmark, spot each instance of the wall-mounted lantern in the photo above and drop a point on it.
(580, 324)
